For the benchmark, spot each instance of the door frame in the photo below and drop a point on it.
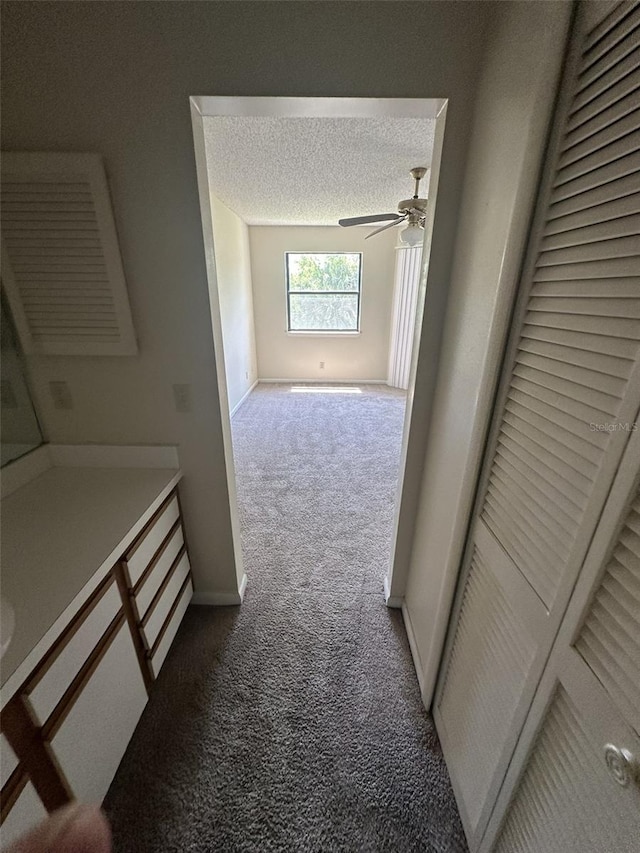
(425, 352)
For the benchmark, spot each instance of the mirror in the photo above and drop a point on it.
(20, 429)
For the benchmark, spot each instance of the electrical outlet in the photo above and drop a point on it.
(322, 365)
(61, 395)
(182, 397)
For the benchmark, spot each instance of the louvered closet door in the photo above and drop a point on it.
(580, 789)
(571, 377)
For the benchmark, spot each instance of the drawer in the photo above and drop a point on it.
(49, 683)
(92, 738)
(165, 639)
(152, 625)
(8, 761)
(152, 583)
(140, 555)
(25, 813)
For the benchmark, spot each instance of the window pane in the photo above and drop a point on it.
(317, 312)
(323, 271)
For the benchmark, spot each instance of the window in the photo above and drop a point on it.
(323, 291)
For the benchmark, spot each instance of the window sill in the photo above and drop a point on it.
(304, 334)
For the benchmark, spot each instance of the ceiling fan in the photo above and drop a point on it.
(410, 210)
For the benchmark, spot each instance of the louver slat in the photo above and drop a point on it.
(607, 153)
(628, 42)
(627, 86)
(616, 288)
(62, 268)
(581, 332)
(605, 136)
(578, 392)
(609, 641)
(603, 120)
(560, 493)
(609, 32)
(623, 226)
(580, 219)
(511, 480)
(621, 247)
(619, 71)
(566, 800)
(552, 445)
(478, 703)
(579, 203)
(610, 365)
(610, 173)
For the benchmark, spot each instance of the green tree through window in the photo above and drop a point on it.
(323, 291)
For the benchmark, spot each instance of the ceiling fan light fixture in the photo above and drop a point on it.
(412, 234)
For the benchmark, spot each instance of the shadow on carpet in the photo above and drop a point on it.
(294, 723)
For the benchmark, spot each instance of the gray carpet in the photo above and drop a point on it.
(294, 723)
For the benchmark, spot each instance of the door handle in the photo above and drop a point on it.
(621, 764)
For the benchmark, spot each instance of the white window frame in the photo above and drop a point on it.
(322, 332)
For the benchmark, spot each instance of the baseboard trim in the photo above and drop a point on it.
(316, 381)
(391, 600)
(221, 599)
(243, 586)
(413, 646)
(242, 399)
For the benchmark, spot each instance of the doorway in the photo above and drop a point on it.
(238, 373)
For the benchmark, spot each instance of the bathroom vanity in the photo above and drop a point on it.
(96, 570)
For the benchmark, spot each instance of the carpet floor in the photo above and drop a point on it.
(294, 723)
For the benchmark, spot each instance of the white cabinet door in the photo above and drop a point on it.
(570, 384)
(26, 812)
(92, 739)
(579, 791)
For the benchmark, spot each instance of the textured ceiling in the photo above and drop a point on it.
(313, 171)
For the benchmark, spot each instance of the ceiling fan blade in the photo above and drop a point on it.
(384, 227)
(365, 220)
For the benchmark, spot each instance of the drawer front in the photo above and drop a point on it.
(167, 638)
(139, 557)
(153, 625)
(47, 689)
(8, 761)
(153, 581)
(25, 813)
(93, 737)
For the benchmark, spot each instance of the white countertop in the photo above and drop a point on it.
(62, 531)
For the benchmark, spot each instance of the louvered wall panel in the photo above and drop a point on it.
(489, 662)
(61, 263)
(609, 640)
(567, 802)
(52, 236)
(581, 331)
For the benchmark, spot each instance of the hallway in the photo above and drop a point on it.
(295, 722)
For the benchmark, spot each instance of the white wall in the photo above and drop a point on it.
(115, 78)
(511, 118)
(285, 355)
(233, 271)
(19, 428)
